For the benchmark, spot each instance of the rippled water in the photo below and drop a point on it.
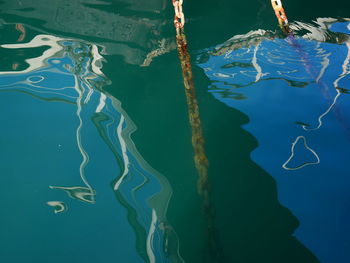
(295, 92)
(96, 155)
(74, 142)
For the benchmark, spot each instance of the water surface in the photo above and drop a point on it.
(96, 155)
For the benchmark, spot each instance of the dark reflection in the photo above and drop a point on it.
(315, 61)
(252, 225)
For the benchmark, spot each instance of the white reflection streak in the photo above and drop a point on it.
(325, 64)
(58, 205)
(78, 136)
(124, 153)
(102, 103)
(320, 123)
(256, 65)
(335, 84)
(292, 155)
(96, 58)
(37, 41)
(344, 66)
(88, 96)
(150, 236)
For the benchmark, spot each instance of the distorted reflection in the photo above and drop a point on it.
(69, 71)
(345, 72)
(285, 165)
(58, 205)
(294, 90)
(260, 58)
(133, 31)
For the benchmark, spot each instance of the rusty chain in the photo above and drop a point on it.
(179, 19)
(281, 16)
(200, 159)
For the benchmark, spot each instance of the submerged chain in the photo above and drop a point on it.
(201, 161)
(281, 16)
(200, 158)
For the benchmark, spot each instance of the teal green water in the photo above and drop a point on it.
(95, 125)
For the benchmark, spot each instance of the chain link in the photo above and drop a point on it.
(281, 15)
(179, 19)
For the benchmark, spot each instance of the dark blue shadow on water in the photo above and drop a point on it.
(295, 92)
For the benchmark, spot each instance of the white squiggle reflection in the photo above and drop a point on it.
(319, 120)
(124, 154)
(35, 79)
(102, 103)
(345, 72)
(80, 193)
(150, 237)
(325, 62)
(256, 65)
(293, 154)
(58, 205)
(79, 141)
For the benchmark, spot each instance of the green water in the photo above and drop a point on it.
(251, 224)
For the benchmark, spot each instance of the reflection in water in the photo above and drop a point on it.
(285, 165)
(80, 193)
(58, 205)
(69, 71)
(132, 31)
(198, 142)
(257, 57)
(282, 81)
(345, 72)
(124, 154)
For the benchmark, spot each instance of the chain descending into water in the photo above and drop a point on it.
(200, 158)
(281, 16)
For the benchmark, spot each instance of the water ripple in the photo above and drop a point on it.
(70, 71)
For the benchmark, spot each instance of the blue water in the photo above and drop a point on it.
(288, 88)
